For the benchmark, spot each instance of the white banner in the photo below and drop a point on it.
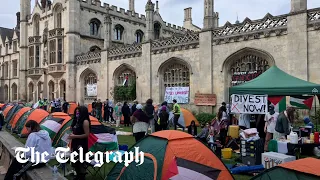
(181, 94)
(249, 104)
(92, 90)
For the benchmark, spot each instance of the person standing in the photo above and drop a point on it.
(45, 104)
(283, 124)
(65, 107)
(163, 118)
(52, 106)
(57, 105)
(223, 122)
(79, 138)
(140, 123)
(126, 114)
(99, 110)
(134, 107)
(118, 113)
(149, 110)
(106, 110)
(94, 108)
(244, 121)
(111, 111)
(270, 125)
(176, 112)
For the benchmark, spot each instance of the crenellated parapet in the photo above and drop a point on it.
(125, 51)
(314, 18)
(88, 58)
(248, 29)
(176, 43)
(113, 11)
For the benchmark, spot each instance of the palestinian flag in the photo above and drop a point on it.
(52, 125)
(184, 169)
(125, 82)
(102, 138)
(301, 102)
(279, 103)
(60, 140)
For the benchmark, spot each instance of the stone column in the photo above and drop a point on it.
(72, 41)
(144, 74)
(56, 88)
(297, 40)
(205, 71)
(131, 6)
(103, 83)
(107, 31)
(34, 93)
(25, 9)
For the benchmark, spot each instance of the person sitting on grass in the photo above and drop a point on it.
(204, 133)
(37, 139)
(192, 129)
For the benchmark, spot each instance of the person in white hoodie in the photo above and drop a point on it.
(40, 140)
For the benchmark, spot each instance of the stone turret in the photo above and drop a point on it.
(131, 6)
(18, 21)
(108, 30)
(298, 5)
(210, 17)
(149, 21)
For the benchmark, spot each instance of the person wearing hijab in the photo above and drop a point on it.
(140, 123)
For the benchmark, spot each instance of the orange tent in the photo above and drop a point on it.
(1, 105)
(72, 107)
(90, 108)
(307, 168)
(94, 121)
(185, 118)
(172, 155)
(13, 123)
(6, 111)
(37, 115)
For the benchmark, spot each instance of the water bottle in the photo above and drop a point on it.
(55, 173)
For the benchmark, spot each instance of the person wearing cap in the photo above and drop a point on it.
(140, 123)
(270, 125)
(308, 122)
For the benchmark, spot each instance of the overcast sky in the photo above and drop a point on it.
(172, 10)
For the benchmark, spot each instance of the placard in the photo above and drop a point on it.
(205, 99)
(249, 104)
(92, 90)
(181, 94)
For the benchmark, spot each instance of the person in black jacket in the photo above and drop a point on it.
(134, 107)
(163, 118)
(106, 111)
(192, 129)
(149, 110)
(126, 114)
(1, 119)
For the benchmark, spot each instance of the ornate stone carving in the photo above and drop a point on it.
(246, 37)
(89, 58)
(316, 26)
(278, 32)
(227, 40)
(314, 16)
(176, 41)
(256, 36)
(125, 51)
(56, 32)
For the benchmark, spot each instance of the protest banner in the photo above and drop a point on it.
(181, 94)
(92, 90)
(249, 104)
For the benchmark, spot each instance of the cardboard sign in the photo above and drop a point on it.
(249, 104)
(205, 99)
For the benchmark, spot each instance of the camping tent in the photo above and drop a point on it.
(185, 118)
(172, 155)
(101, 138)
(53, 123)
(307, 168)
(16, 117)
(6, 110)
(72, 107)
(275, 82)
(12, 112)
(37, 115)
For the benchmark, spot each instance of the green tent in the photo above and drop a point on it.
(275, 82)
(304, 169)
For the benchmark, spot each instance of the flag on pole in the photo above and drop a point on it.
(279, 103)
(301, 102)
(125, 82)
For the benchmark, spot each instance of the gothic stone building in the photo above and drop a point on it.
(62, 46)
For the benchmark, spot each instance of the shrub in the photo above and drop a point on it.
(204, 118)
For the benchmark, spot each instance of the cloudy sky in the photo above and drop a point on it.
(172, 10)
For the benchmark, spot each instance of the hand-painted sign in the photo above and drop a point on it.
(249, 104)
